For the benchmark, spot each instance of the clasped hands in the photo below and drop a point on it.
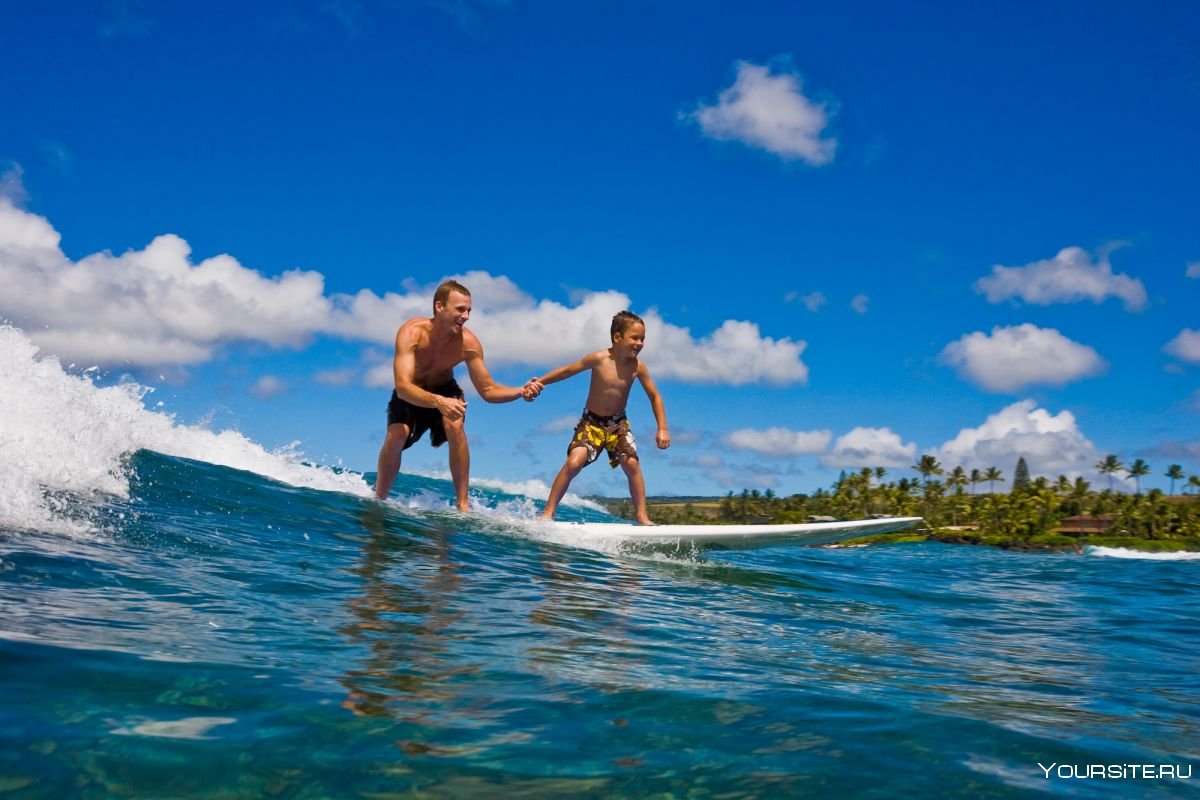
(532, 388)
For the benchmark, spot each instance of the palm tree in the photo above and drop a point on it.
(1136, 470)
(1081, 487)
(991, 475)
(976, 478)
(934, 491)
(957, 479)
(727, 511)
(1110, 466)
(1175, 473)
(1079, 493)
(1194, 482)
(927, 466)
(860, 485)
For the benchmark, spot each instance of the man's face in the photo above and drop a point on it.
(456, 310)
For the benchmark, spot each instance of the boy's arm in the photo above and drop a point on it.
(663, 436)
(567, 370)
(488, 389)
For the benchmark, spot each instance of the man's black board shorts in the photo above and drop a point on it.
(420, 419)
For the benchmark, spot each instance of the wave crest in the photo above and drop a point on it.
(65, 440)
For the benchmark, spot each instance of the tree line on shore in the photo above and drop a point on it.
(1030, 515)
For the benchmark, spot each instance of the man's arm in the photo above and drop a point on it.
(663, 436)
(488, 389)
(404, 369)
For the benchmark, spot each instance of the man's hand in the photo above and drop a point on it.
(532, 388)
(662, 439)
(452, 408)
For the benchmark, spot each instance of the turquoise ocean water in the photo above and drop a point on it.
(183, 614)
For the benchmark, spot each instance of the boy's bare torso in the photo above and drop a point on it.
(612, 378)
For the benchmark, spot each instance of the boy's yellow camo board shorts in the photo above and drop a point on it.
(608, 434)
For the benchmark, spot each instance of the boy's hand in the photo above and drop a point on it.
(663, 440)
(532, 388)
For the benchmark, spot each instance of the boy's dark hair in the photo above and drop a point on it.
(442, 293)
(621, 322)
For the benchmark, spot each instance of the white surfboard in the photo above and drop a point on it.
(729, 537)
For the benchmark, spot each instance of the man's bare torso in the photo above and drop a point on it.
(435, 352)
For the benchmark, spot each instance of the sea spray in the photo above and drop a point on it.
(521, 493)
(1123, 552)
(65, 439)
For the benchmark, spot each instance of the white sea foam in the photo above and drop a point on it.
(534, 488)
(61, 434)
(1122, 552)
(425, 500)
(195, 728)
(522, 506)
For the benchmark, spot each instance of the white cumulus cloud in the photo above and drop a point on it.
(769, 111)
(1012, 358)
(1185, 346)
(1069, 277)
(1051, 444)
(870, 447)
(778, 441)
(146, 307)
(156, 307)
(516, 328)
(734, 354)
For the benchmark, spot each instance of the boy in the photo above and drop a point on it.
(604, 426)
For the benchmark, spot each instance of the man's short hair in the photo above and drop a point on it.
(442, 293)
(621, 322)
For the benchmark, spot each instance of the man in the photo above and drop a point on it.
(427, 398)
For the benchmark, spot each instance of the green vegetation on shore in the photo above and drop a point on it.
(1035, 514)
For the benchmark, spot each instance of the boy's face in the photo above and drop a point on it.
(632, 339)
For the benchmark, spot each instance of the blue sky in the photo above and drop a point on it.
(859, 233)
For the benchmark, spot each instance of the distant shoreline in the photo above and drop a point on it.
(1044, 542)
